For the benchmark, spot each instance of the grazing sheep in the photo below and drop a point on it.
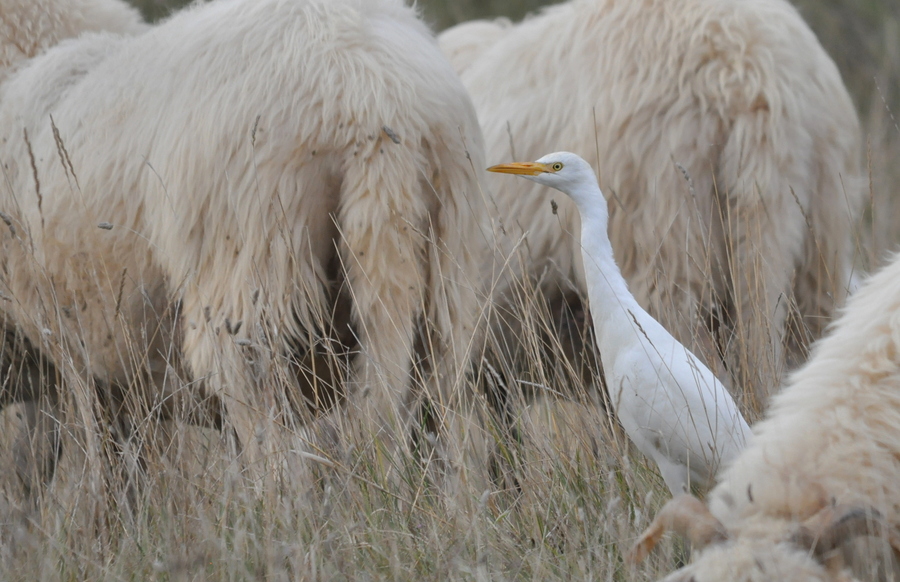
(726, 138)
(823, 468)
(295, 174)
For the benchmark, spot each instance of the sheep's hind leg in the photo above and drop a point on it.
(251, 411)
(233, 373)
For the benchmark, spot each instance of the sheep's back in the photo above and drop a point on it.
(652, 92)
(217, 144)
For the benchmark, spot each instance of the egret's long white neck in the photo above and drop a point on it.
(613, 308)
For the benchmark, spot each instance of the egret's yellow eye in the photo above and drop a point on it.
(557, 166)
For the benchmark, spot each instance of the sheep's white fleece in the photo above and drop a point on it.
(831, 435)
(740, 97)
(245, 153)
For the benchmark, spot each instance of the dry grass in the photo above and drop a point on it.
(583, 494)
(583, 498)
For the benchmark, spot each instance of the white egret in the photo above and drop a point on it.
(671, 405)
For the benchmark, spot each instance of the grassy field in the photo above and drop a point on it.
(575, 501)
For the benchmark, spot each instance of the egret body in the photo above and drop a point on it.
(671, 405)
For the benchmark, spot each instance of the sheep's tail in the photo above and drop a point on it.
(384, 224)
(458, 252)
(406, 231)
(789, 193)
(828, 277)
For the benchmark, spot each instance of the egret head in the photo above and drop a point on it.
(563, 171)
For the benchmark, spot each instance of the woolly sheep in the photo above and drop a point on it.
(823, 468)
(726, 137)
(263, 163)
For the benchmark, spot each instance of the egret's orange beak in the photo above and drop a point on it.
(521, 168)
